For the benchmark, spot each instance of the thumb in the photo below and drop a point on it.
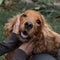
(18, 21)
(16, 26)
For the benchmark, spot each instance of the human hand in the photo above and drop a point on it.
(16, 27)
(28, 47)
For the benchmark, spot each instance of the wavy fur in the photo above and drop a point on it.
(45, 38)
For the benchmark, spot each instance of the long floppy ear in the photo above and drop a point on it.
(46, 29)
(9, 25)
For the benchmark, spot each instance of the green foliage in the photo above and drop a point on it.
(46, 1)
(5, 1)
(1, 2)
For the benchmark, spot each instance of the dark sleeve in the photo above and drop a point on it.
(58, 56)
(19, 55)
(9, 44)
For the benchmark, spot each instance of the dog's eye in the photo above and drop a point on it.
(24, 15)
(38, 21)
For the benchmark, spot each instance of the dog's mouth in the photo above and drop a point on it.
(24, 34)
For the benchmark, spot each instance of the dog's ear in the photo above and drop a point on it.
(46, 29)
(9, 25)
(40, 22)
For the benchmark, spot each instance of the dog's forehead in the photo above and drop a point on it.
(32, 13)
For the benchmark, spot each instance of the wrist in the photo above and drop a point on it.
(20, 54)
(24, 51)
(14, 32)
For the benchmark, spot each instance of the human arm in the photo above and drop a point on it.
(23, 51)
(11, 41)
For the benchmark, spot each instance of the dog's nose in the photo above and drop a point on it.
(28, 25)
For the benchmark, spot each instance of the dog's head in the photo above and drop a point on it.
(31, 24)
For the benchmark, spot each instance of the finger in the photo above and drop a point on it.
(32, 39)
(29, 45)
(18, 21)
(17, 24)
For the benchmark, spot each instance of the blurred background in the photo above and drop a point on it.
(50, 9)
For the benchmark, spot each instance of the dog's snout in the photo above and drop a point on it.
(28, 25)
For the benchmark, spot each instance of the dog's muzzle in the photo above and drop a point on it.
(28, 26)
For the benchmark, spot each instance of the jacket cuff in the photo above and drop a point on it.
(19, 55)
(13, 36)
(11, 42)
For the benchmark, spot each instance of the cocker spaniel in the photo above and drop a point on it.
(33, 24)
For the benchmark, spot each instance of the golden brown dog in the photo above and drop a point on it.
(33, 23)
